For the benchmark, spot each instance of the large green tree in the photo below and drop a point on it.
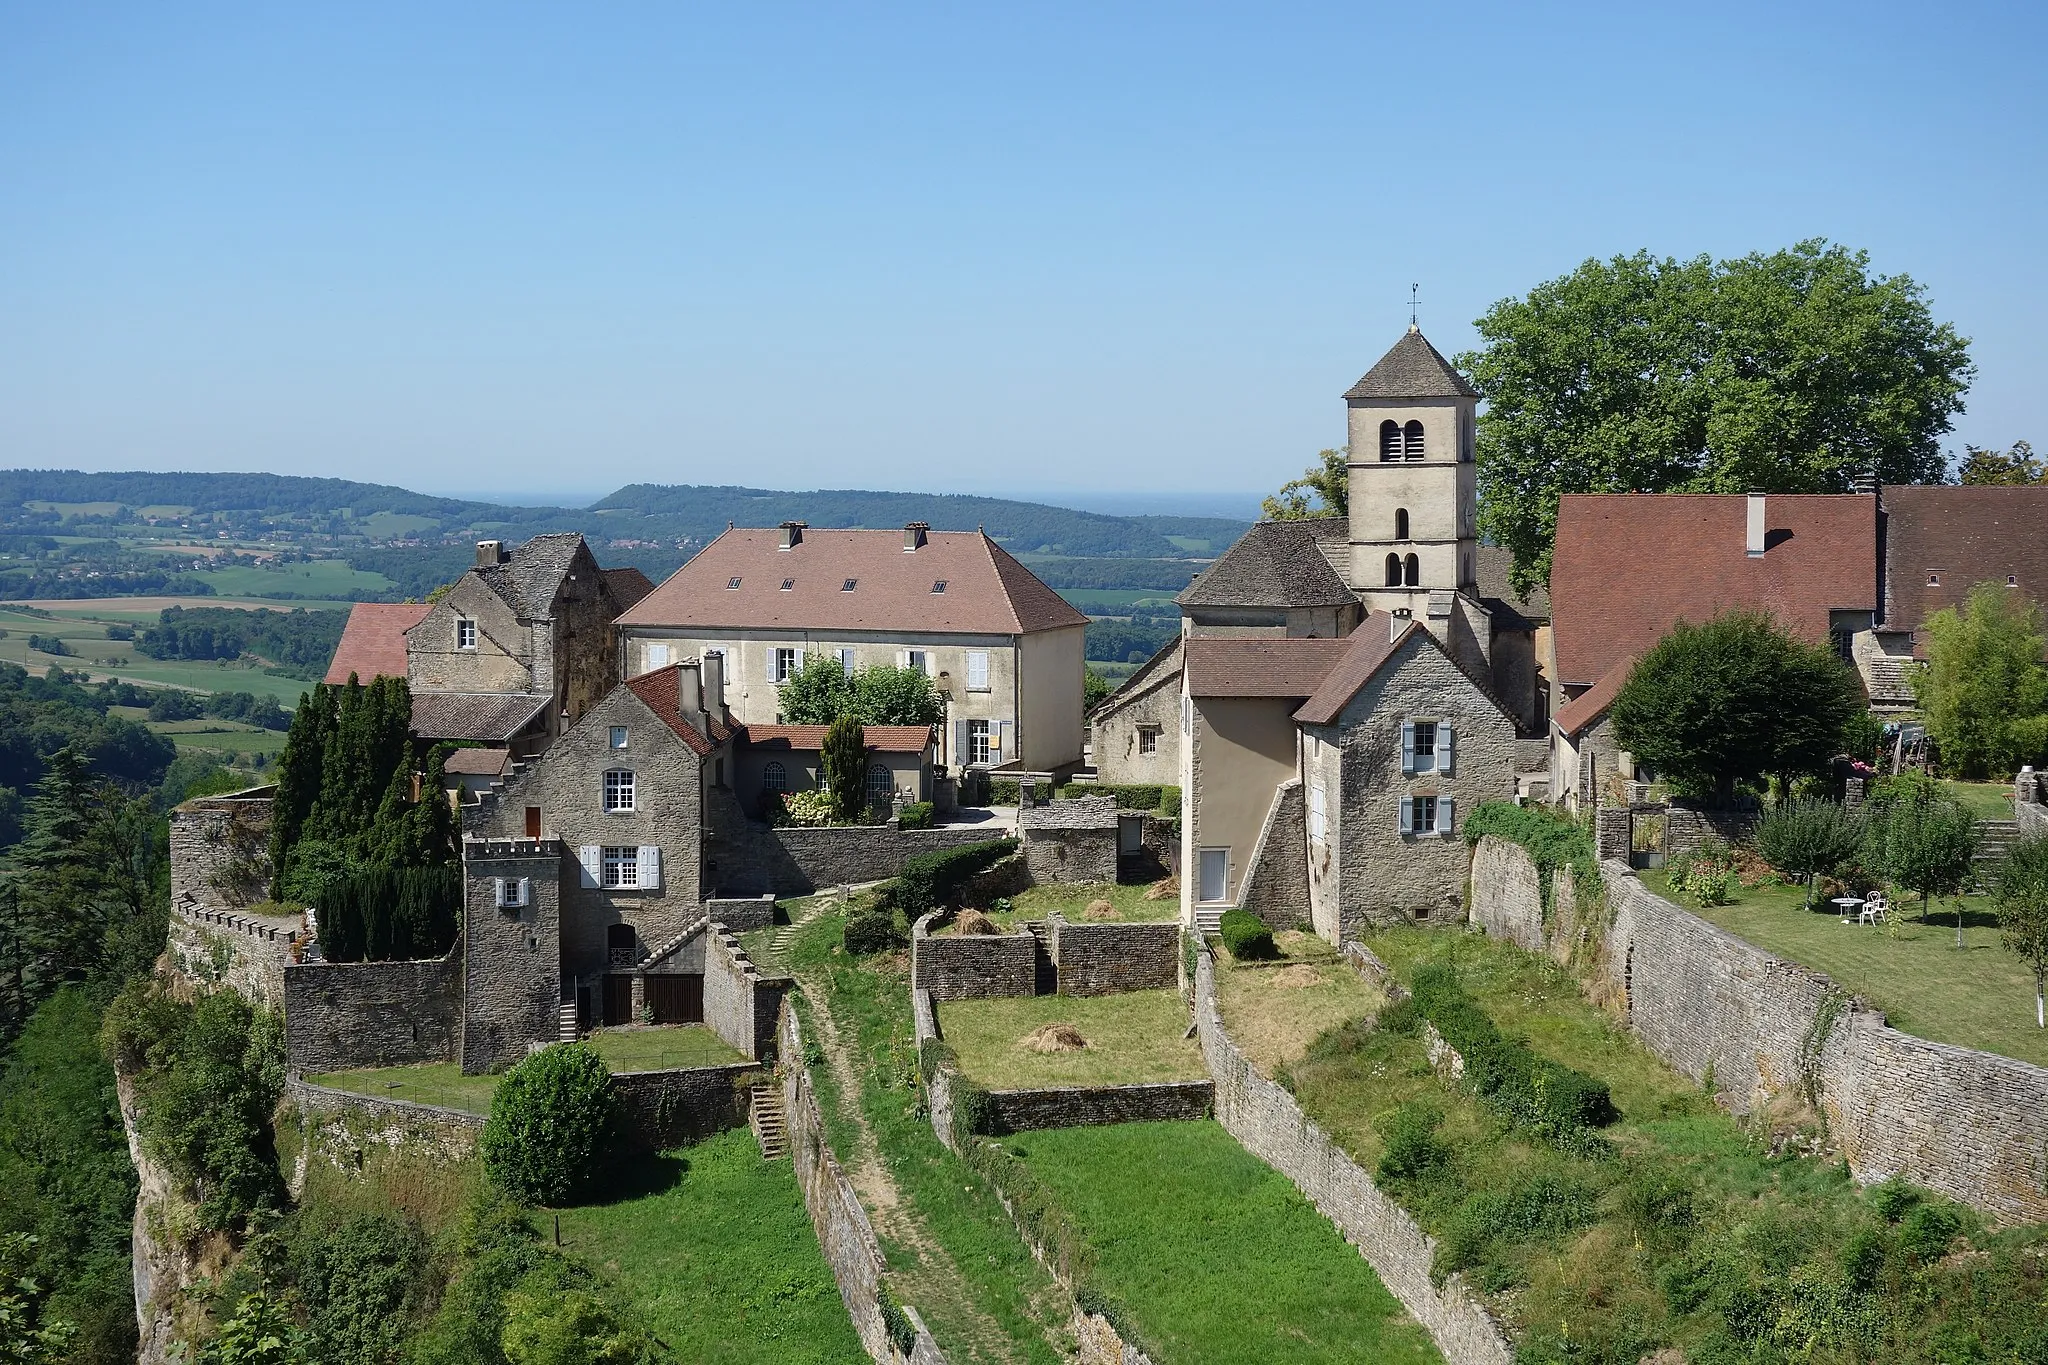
(822, 691)
(1924, 840)
(2021, 892)
(1328, 481)
(1983, 689)
(1734, 700)
(1796, 371)
(2002, 468)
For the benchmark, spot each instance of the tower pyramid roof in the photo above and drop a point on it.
(1412, 369)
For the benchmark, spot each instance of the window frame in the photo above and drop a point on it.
(785, 668)
(1148, 739)
(885, 789)
(919, 659)
(465, 633)
(621, 791)
(981, 741)
(613, 862)
(619, 738)
(1425, 754)
(775, 776)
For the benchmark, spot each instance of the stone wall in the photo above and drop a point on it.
(668, 1108)
(219, 850)
(1006, 878)
(740, 1004)
(343, 1015)
(2028, 810)
(972, 966)
(844, 1232)
(1023, 1111)
(1507, 897)
(1070, 841)
(1265, 1118)
(1685, 827)
(221, 948)
(1275, 887)
(1102, 959)
(746, 857)
(511, 959)
(743, 915)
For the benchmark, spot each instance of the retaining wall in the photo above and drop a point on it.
(740, 1004)
(1103, 959)
(1023, 1111)
(1505, 887)
(343, 1015)
(751, 857)
(1270, 1125)
(971, 966)
(668, 1108)
(221, 948)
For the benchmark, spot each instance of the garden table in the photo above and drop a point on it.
(1845, 905)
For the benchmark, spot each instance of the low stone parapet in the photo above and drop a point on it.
(1103, 959)
(971, 966)
(1024, 1111)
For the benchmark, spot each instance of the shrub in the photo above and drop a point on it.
(1552, 842)
(872, 931)
(1893, 1199)
(811, 808)
(1169, 803)
(916, 815)
(360, 1280)
(1555, 1100)
(1003, 791)
(49, 644)
(1706, 874)
(1129, 796)
(1862, 1257)
(552, 1118)
(1810, 838)
(844, 757)
(1246, 936)
(1412, 1148)
(928, 880)
(1928, 1231)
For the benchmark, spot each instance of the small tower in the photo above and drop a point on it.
(1414, 494)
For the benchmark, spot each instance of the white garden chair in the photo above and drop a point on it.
(1874, 908)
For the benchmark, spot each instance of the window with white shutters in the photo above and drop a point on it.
(513, 892)
(622, 867)
(650, 867)
(1443, 748)
(657, 657)
(1318, 826)
(784, 663)
(977, 670)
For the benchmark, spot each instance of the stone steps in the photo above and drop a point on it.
(1208, 920)
(566, 1030)
(764, 1116)
(1995, 839)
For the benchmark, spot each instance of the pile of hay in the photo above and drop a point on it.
(1166, 888)
(1297, 976)
(974, 922)
(1099, 910)
(1053, 1038)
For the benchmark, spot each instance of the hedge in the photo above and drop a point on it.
(1153, 797)
(928, 880)
(1555, 1100)
(1247, 936)
(872, 931)
(916, 815)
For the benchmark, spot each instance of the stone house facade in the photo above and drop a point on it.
(1134, 732)
(1005, 651)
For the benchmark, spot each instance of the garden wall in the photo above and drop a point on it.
(1103, 959)
(971, 966)
(742, 914)
(844, 1233)
(1023, 1111)
(667, 1108)
(1265, 1118)
(1070, 841)
(751, 857)
(1507, 893)
(740, 1004)
(342, 1015)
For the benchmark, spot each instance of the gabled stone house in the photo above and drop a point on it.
(1134, 732)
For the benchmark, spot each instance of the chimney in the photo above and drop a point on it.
(1398, 620)
(793, 534)
(690, 693)
(1756, 525)
(489, 552)
(714, 684)
(914, 536)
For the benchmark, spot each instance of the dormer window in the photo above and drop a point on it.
(847, 586)
(788, 583)
(939, 587)
(465, 633)
(732, 583)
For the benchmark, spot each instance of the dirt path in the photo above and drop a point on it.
(933, 1286)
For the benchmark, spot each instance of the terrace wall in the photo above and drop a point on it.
(667, 1108)
(1265, 1118)
(1103, 959)
(740, 1004)
(221, 947)
(342, 1015)
(1023, 1111)
(752, 857)
(971, 966)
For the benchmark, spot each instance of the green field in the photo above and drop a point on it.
(1977, 996)
(224, 737)
(1084, 598)
(1216, 1258)
(85, 635)
(654, 1049)
(720, 1259)
(320, 578)
(1985, 800)
(1127, 902)
(1133, 1038)
(391, 525)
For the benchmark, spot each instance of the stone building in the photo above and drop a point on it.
(1005, 650)
(775, 759)
(1134, 732)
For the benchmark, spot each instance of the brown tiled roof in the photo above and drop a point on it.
(373, 642)
(492, 717)
(1259, 665)
(888, 739)
(1629, 566)
(628, 585)
(987, 591)
(1582, 710)
(1412, 369)
(660, 691)
(1963, 536)
(1365, 651)
(477, 762)
(1275, 564)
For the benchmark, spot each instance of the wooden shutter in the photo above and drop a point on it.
(961, 756)
(977, 670)
(773, 654)
(1406, 806)
(1445, 809)
(499, 882)
(650, 866)
(1443, 746)
(526, 890)
(592, 858)
(798, 665)
(1407, 754)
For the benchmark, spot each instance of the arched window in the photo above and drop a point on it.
(1390, 440)
(1400, 523)
(775, 778)
(1411, 439)
(1393, 571)
(881, 783)
(1414, 567)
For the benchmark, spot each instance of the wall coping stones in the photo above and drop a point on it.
(1087, 812)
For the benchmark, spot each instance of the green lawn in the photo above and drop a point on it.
(1985, 800)
(1979, 996)
(720, 1259)
(439, 1083)
(1134, 1037)
(1127, 903)
(332, 578)
(664, 1047)
(1274, 1010)
(1215, 1257)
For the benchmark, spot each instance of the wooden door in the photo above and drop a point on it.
(618, 1000)
(676, 998)
(533, 822)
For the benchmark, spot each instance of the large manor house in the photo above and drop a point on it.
(1344, 691)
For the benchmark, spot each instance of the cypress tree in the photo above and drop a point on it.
(844, 756)
(299, 771)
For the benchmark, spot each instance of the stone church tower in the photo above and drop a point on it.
(1414, 495)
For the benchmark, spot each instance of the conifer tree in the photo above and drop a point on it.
(844, 756)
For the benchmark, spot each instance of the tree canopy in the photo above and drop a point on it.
(2002, 468)
(1328, 480)
(1796, 371)
(2021, 892)
(1983, 689)
(1734, 700)
(822, 691)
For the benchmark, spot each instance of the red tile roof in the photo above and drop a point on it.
(660, 691)
(1278, 666)
(1629, 566)
(1961, 537)
(987, 591)
(1581, 711)
(373, 642)
(628, 585)
(888, 739)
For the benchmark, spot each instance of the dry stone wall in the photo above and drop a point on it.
(1023, 1111)
(224, 948)
(740, 1004)
(1103, 959)
(1507, 893)
(749, 857)
(1265, 1118)
(1275, 887)
(343, 1015)
(666, 1108)
(971, 966)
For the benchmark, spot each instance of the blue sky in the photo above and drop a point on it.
(515, 249)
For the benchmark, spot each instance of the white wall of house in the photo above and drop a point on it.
(1238, 752)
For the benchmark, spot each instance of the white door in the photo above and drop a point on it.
(1215, 874)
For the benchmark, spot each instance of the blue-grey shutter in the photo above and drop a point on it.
(592, 859)
(1405, 806)
(960, 754)
(526, 890)
(499, 883)
(1443, 746)
(1445, 811)
(1407, 754)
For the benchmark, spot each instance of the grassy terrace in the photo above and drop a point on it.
(717, 1253)
(661, 1048)
(1980, 996)
(1985, 800)
(1274, 1010)
(1126, 899)
(1678, 1227)
(1216, 1258)
(1131, 1038)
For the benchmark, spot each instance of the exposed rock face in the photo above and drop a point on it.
(164, 1269)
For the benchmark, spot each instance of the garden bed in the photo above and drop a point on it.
(662, 1047)
(1275, 1009)
(1981, 996)
(1211, 1256)
(1133, 1038)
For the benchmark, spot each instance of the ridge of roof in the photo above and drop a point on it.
(1412, 368)
(662, 692)
(1277, 564)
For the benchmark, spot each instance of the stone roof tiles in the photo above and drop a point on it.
(373, 642)
(1412, 369)
(1276, 564)
(488, 716)
(531, 574)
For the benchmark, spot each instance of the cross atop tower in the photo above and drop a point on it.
(1414, 290)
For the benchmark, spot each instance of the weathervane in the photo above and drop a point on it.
(1414, 291)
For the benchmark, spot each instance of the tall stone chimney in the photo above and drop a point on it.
(714, 684)
(690, 693)
(1756, 525)
(914, 534)
(793, 534)
(489, 552)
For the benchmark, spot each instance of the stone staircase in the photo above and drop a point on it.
(1885, 678)
(1995, 839)
(566, 1030)
(1209, 919)
(764, 1116)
